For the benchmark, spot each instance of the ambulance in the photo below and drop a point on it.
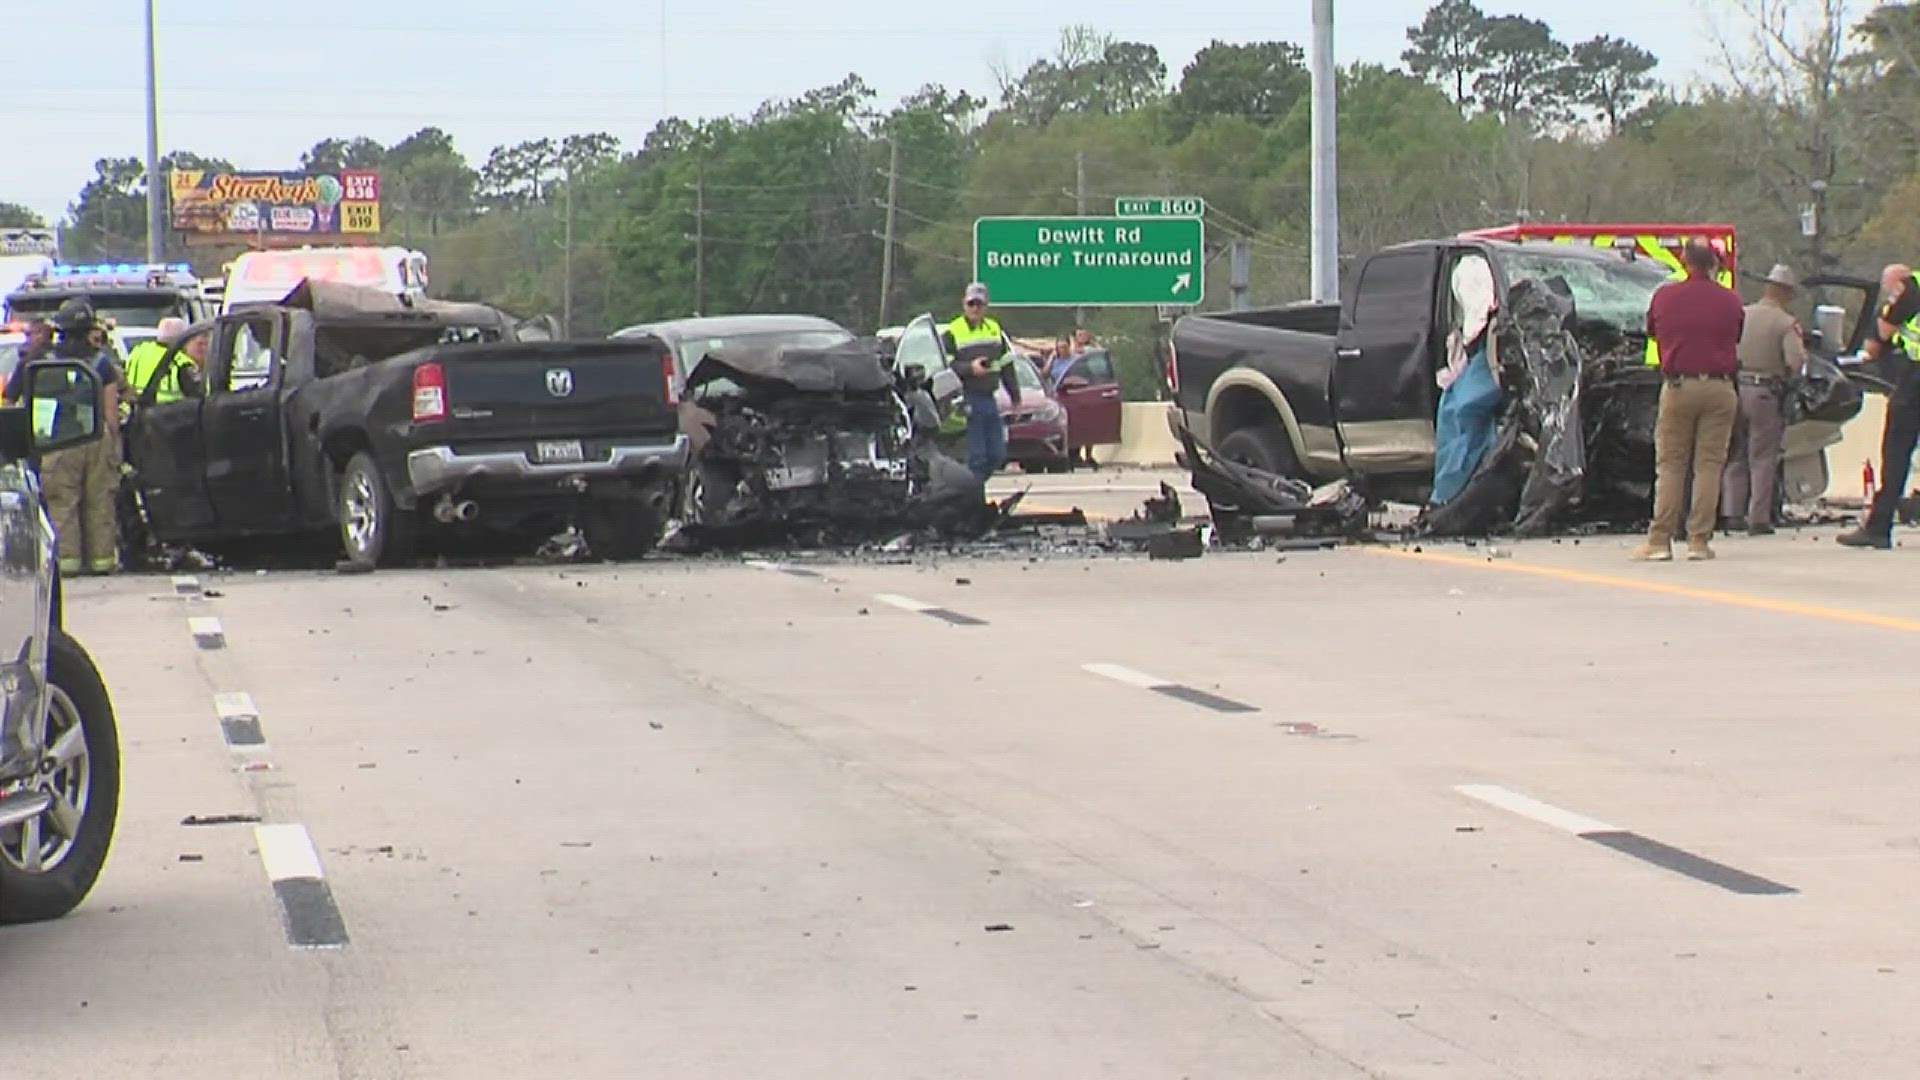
(266, 276)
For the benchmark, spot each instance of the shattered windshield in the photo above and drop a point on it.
(1615, 292)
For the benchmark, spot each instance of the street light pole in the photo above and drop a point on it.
(1326, 183)
(155, 220)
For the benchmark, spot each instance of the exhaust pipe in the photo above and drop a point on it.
(446, 511)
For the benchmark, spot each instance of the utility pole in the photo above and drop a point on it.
(1326, 182)
(699, 238)
(886, 251)
(1080, 208)
(566, 263)
(155, 221)
(1240, 279)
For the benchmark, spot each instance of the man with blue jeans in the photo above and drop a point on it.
(979, 357)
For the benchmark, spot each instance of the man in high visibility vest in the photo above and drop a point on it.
(978, 354)
(144, 362)
(1897, 336)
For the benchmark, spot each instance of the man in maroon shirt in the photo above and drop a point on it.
(1696, 324)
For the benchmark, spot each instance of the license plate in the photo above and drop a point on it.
(559, 451)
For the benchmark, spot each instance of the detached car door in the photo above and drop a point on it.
(245, 429)
(168, 451)
(1090, 390)
(1383, 392)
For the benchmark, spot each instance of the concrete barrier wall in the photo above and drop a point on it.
(1144, 437)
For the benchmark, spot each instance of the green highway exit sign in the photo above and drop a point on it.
(1156, 206)
(1090, 261)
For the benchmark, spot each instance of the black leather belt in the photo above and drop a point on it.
(1699, 378)
(1771, 382)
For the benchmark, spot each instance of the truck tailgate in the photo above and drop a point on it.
(541, 390)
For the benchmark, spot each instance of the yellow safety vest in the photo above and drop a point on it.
(144, 361)
(1908, 338)
(977, 342)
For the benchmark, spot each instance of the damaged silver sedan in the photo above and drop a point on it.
(798, 428)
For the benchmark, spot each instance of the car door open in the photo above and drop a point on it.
(1090, 390)
(167, 449)
(1383, 392)
(244, 427)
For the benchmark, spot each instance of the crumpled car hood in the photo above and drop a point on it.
(852, 368)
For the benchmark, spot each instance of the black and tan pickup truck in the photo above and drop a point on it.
(1322, 391)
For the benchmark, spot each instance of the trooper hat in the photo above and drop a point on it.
(1783, 275)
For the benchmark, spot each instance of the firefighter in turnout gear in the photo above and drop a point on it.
(80, 483)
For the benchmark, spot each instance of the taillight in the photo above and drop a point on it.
(429, 393)
(1173, 368)
(666, 376)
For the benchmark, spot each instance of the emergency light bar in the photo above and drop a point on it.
(122, 268)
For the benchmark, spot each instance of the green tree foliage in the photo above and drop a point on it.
(1445, 48)
(1522, 78)
(1261, 81)
(1612, 77)
(16, 216)
(1089, 73)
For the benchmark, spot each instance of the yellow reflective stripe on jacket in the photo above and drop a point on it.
(1908, 338)
(45, 412)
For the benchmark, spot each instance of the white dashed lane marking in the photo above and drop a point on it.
(306, 901)
(239, 719)
(1626, 842)
(207, 632)
(1168, 688)
(186, 585)
(920, 607)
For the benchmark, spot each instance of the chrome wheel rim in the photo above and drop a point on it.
(359, 511)
(65, 773)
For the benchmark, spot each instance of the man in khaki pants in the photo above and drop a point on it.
(1696, 324)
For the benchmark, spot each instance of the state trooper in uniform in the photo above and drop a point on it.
(1771, 350)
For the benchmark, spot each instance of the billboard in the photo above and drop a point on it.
(29, 241)
(208, 203)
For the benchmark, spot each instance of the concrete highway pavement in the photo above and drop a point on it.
(1105, 494)
(1361, 813)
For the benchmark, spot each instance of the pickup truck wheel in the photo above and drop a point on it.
(709, 493)
(1263, 446)
(374, 531)
(620, 531)
(48, 864)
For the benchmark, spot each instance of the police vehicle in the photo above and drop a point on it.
(125, 294)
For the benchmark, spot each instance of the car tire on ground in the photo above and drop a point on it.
(373, 529)
(620, 531)
(90, 783)
(1262, 446)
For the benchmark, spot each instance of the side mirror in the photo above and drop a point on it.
(59, 407)
(1830, 322)
(946, 385)
(1074, 382)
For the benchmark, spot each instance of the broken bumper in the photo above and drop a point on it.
(435, 469)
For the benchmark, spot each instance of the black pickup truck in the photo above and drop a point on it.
(1318, 392)
(387, 420)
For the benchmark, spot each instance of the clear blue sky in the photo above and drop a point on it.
(258, 83)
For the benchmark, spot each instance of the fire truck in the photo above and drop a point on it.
(1663, 244)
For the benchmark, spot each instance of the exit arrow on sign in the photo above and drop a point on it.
(1182, 283)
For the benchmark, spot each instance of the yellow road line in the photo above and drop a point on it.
(1661, 588)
